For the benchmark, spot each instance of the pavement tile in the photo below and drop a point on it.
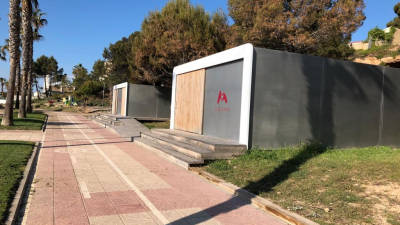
(41, 212)
(68, 205)
(119, 198)
(99, 205)
(136, 172)
(190, 216)
(139, 218)
(106, 220)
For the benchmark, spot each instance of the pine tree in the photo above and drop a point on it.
(319, 27)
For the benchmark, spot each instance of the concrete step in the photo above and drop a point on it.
(107, 121)
(190, 149)
(210, 143)
(181, 147)
(117, 123)
(103, 121)
(169, 153)
(107, 117)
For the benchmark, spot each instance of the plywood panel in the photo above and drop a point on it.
(124, 101)
(189, 101)
(114, 102)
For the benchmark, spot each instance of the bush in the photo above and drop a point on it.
(389, 36)
(88, 89)
(377, 51)
(376, 34)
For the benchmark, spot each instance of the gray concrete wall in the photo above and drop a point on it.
(146, 101)
(298, 98)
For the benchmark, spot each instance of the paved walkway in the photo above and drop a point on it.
(90, 175)
(21, 135)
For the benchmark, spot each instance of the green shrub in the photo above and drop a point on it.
(377, 51)
(389, 36)
(376, 34)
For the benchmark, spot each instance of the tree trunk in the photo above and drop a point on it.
(110, 95)
(27, 38)
(37, 88)
(14, 26)
(45, 87)
(18, 83)
(30, 79)
(50, 89)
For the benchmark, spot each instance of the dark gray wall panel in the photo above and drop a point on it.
(142, 101)
(351, 104)
(223, 119)
(286, 98)
(146, 101)
(297, 98)
(391, 108)
(163, 96)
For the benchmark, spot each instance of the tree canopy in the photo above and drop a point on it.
(119, 57)
(376, 34)
(87, 89)
(177, 34)
(319, 27)
(45, 66)
(99, 70)
(396, 21)
(181, 32)
(81, 75)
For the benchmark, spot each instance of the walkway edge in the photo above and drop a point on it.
(29, 172)
(44, 125)
(257, 201)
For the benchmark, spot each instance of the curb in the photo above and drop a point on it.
(45, 123)
(29, 172)
(257, 201)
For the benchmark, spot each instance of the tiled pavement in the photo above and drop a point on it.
(90, 175)
(21, 135)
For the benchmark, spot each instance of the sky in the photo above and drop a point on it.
(79, 31)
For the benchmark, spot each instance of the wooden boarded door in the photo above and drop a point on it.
(189, 101)
(119, 101)
(123, 101)
(114, 103)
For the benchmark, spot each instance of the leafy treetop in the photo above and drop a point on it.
(318, 27)
(396, 21)
(177, 34)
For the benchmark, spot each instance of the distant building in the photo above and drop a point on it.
(387, 29)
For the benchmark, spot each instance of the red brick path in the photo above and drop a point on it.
(90, 175)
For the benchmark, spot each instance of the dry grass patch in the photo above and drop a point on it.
(329, 186)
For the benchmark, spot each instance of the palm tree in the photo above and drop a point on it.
(18, 82)
(3, 53)
(38, 21)
(2, 82)
(14, 36)
(27, 42)
(3, 50)
(37, 88)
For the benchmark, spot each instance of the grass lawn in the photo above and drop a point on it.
(33, 121)
(157, 125)
(328, 186)
(13, 157)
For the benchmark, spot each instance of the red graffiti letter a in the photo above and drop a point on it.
(222, 97)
